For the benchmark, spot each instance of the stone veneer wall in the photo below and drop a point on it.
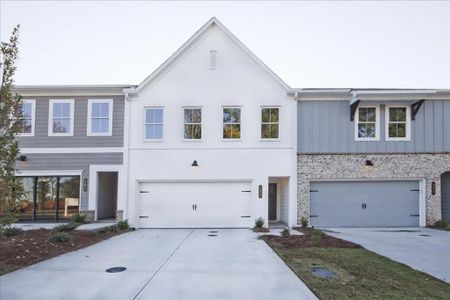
(430, 167)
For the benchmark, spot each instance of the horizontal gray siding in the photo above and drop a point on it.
(80, 138)
(325, 127)
(67, 162)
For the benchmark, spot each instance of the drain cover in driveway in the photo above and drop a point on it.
(116, 269)
(322, 272)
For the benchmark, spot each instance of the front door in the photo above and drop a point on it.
(272, 201)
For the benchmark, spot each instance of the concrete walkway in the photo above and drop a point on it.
(423, 249)
(162, 264)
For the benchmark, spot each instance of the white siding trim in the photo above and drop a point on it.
(377, 124)
(50, 173)
(72, 150)
(33, 117)
(110, 117)
(50, 116)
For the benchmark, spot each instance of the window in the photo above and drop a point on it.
(397, 123)
(231, 123)
(367, 124)
(28, 115)
(270, 121)
(99, 117)
(192, 123)
(154, 123)
(61, 118)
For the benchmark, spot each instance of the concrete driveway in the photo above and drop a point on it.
(423, 249)
(162, 264)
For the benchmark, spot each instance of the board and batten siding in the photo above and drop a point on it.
(324, 126)
(69, 162)
(80, 138)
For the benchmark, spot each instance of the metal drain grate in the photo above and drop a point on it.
(322, 272)
(116, 269)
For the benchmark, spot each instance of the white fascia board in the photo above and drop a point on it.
(70, 90)
(72, 150)
(197, 35)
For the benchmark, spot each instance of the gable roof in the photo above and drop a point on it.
(201, 32)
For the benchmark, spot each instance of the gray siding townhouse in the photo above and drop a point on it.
(70, 134)
(369, 157)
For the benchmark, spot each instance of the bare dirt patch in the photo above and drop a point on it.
(33, 246)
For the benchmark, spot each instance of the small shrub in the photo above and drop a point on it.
(259, 223)
(78, 218)
(316, 236)
(104, 230)
(123, 225)
(11, 231)
(66, 227)
(304, 222)
(59, 237)
(286, 232)
(441, 224)
(7, 220)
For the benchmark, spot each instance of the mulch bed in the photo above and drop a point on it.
(33, 246)
(261, 229)
(307, 240)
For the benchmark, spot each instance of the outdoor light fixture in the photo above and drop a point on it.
(194, 163)
(85, 184)
(433, 188)
(260, 191)
(368, 166)
(22, 158)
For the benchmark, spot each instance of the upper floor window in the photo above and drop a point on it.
(154, 123)
(367, 123)
(270, 122)
(61, 117)
(398, 123)
(192, 123)
(99, 117)
(28, 117)
(231, 123)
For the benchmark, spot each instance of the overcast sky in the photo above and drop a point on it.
(308, 44)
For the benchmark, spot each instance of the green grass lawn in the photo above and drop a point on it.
(361, 274)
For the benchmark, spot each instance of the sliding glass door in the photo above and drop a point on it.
(46, 198)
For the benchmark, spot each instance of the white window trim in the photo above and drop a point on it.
(377, 124)
(408, 124)
(50, 116)
(145, 124)
(110, 117)
(223, 124)
(33, 117)
(201, 124)
(261, 123)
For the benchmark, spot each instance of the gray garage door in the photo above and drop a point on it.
(364, 204)
(445, 189)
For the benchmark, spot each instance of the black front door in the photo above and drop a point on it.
(272, 201)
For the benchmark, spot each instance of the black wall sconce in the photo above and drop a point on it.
(22, 158)
(194, 163)
(433, 188)
(260, 191)
(85, 184)
(369, 163)
(368, 166)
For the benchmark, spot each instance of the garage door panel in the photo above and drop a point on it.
(364, 204)
(171, 205)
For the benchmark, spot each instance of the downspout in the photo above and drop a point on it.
(126, 153)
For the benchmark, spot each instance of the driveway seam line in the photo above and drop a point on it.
(161, 266)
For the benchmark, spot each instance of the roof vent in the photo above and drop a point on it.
(212, 56)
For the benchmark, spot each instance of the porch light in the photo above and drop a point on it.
(368, 166)
(194, 163)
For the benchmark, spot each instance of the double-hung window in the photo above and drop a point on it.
(61, 117)
(28, 117)
(398, 126)
(270, 123)
(231, 123)
(99, 117)
(192, 123)
(153, 123)
(367, 123)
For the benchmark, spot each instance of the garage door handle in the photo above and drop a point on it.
(246, 191)
(313, 216)
(245, 216)
(143, 217)
(414, 215)
(144, 192)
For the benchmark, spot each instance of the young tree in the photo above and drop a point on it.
(10, 124)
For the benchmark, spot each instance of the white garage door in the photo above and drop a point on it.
(195, 205)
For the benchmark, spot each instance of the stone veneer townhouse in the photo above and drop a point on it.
(213, 138)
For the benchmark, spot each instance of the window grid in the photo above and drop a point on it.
(155, 126)
(231, 123)
(367, 126)
(192, 123)
(270, 126)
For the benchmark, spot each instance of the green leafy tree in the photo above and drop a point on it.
(10, 125)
